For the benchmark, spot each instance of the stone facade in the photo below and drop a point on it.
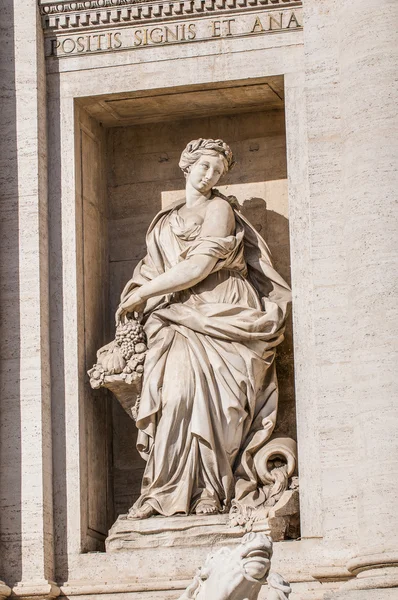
(305, 92)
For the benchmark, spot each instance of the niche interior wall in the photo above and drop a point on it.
(139, 139)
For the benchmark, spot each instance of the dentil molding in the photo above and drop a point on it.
(61, 16)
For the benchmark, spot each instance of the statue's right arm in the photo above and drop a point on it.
(180, 277)
(184, 275)
(127, 289)
(219, 222)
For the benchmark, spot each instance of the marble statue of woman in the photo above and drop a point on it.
(213, 312)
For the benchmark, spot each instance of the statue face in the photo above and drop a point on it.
(237, 572)
(255, 552)
(206, 172)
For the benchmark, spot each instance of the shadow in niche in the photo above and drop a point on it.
(10, 320)
(274, 228)
(57, 324)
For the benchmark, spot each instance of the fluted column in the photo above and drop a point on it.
(368, 54)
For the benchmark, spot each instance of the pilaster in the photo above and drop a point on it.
(350, 52)
(327, 364)
(368, 53)
(25, 437)
(303, 299)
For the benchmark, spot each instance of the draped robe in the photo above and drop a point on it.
(209, 394)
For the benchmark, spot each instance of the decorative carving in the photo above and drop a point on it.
(61, 16)
(62, 7)
(279, 588)
(238, 573)
(275, 465)
(120, 364)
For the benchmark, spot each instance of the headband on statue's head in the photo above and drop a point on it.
(196, 148)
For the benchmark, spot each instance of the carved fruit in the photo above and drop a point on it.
(114, 362)
(140, 348)
(105, 350)
(95, 383)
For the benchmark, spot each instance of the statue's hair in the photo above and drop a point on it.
(196, 148)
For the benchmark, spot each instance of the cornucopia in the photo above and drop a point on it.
(120, 364)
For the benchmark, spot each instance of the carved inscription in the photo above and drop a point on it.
(172, 33)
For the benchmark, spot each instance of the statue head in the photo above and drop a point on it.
(255, 553)
(204, 161)
(234, 572)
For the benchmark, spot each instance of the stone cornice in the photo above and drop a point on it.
(87, 14)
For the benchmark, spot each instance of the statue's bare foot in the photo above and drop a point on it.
(144, 512)
(206, 507)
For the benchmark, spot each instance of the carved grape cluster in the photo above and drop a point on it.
(131, 339)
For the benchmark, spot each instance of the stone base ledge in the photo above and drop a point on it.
(162, 572)
(375, 579)
(93, 590)
(172, 590)
(204, 530)
(5, 591)
(36, 590)
(180, 531)
(372, 561)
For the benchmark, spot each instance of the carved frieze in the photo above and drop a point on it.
(62, 44)
(89, 14)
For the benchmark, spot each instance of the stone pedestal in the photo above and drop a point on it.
(128, 534)
(181, 531)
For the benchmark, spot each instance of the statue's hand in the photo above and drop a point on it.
(134, 303)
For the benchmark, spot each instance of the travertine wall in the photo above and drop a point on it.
(26, 494)
(96, 409)
(341, 134)
(143, 177)
(368, 96)
(350, 53)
